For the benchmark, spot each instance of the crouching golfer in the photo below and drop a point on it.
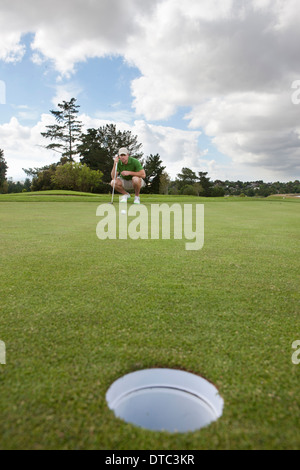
(131, 176)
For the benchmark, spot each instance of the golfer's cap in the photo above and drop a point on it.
(123, 151)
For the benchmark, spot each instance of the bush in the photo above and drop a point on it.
(76, 177)
(43, 180)
(217, 191)
(189, 190)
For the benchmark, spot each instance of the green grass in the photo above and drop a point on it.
(50, 196)
(76, 313)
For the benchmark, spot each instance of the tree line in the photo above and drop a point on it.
(96, 149)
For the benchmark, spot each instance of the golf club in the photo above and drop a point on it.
(113, 191)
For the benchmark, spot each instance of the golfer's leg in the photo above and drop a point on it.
(118, 186)
(137, 184)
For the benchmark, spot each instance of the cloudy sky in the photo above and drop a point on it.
(213, 85)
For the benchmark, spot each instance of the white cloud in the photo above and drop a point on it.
(199, 56)
(66, 92)
(76, 30)
(10, 48)
(254, 129)
(23, 146)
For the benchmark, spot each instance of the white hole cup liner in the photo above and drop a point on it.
(165, 400)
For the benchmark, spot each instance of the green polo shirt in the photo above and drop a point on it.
(132, 165)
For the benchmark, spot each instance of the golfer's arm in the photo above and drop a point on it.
(140, 174)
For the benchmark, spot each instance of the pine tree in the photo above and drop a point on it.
(112, 140)
(66, 133)
(153, 168)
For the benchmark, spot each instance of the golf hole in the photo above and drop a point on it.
(165, 400)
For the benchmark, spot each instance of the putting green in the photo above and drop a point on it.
(77, 313)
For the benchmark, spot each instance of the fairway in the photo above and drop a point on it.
(77, 313)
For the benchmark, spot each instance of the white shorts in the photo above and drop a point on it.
(127, 184)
